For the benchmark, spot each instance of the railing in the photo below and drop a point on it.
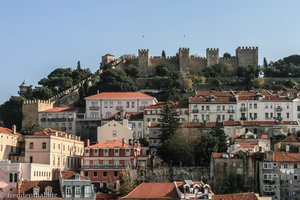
(195, 120)
(103, 166)
(279, 109)
(243, 118)
(57, 119)
(230, 111)
(243, 109)
(70, 119)
(94, 107)
(195, 111)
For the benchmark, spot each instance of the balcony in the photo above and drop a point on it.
(103, 166)
(243, 109)
(119, 107)
(195, 120)
(94, 107)
(230, 111)
(243, 118)
(57, 119)
(278, 108)
(195, 111)
(70, 119)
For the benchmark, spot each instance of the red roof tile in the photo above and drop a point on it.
(211, 101)
(110, 144)
(153, 191)
(264, 136)
(217, 94)
(239, 196)
(59, 109)
(5, 130)
(291, 138)
(26, 187)
(68, 174)
(286, 157)
(120, 95)
(48, 131)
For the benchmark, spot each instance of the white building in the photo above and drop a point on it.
(107, 104)
(8, 142)
(59, 118)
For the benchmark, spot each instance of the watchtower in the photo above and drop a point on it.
(184, 58)
(212, 56)
(143, 60)
(247, 56)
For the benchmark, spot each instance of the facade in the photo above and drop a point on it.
(55, 148)
(106, 104)
(8, 142)
(104, 161)
(290, 144)
(114, 130)
(59, 118)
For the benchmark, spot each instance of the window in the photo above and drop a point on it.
(127, 152)
(295, 166)
(111, 104)
(11, 177)
(30, 159)
(218, 108)
(267, 115)
(267, 176)
(268, 188)
(68, 191)
(117, 151)
(16, 177)
(267, 166)
(285, 166)
(116, 163)
(104, 174)
(96, 151)
(223, 108)
(271, 115)
(105, 162)
(295, 177)
(139, 124)
(255, 105)
(31, 145)
(218, 117)
(287, 115)
(114, 133)
(250, 105)
(77, 191)
(95, 174)
(105, 104)
(36, 191)
(116, 173)
(87, 152)
(86, 174)
(298, 108)
(48, 191)
(132, 104)
(127, 104)
(298, 115)
(223, 117)
(87, 191)
(207, 107)
(255, 115)
(105, 152)
(266, 106)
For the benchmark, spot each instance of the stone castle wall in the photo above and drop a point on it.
(186, 63)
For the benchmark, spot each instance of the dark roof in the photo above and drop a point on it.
(26, 187)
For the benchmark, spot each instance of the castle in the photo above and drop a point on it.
(183, 61)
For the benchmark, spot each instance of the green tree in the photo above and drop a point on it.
(265, 64)
(169, 121)
(116, 81)
(11, 112)
(132, 71)
(162, 70)
(42, 93)
(226, 55)
(163, 54)
(30, 129)
(218, 132)
(206, 145)
(126, 182)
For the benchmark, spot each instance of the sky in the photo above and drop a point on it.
(37, 37)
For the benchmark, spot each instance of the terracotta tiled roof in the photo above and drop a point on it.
(104, 196)
(158, 105)
(291, 138)
(232, 123)
(217, 94)
(153, 191)
(59, 109)
(110, 144)
(247, 145)
(68, 174)
(239, 196)
(26, 187)
(286, 157)
(216, 100)
(120, 95)
(6, 130)
(268, 123)
(153, 124)
(48, 131)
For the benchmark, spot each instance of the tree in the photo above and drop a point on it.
(265, 63)
(226, 55)
(162, 70)
(206, 145)
(163, 54)
(11, 112)
(258, 82)
(169, 121)
(116, 81)
(42, 93)
(30, 129)
(126, 182)
(132, 71)
(218, 132)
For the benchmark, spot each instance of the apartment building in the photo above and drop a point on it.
(8, 142)
(58, 149)
(113, 130)
(107, 104)
(59, 118)
(104, 161)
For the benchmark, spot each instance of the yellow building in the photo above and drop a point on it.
(8, 142)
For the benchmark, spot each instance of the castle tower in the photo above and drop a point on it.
(212, 56)
(247, 56)
(143, 60)
(23, 88)
(107, 59)
(184, 58)
(31, 108)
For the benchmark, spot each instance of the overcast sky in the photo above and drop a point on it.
(38, 36)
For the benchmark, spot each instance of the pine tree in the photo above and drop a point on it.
(265, 63)
(163, 54)
(169, 121)
(219, 133)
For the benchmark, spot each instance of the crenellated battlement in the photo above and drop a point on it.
(247, 48)
(143, 52)
(37, 101)
(212, 49)
(231, 58)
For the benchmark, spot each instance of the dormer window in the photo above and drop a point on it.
(48, 191)
(87, 152)
(105, 152)
(117, 152)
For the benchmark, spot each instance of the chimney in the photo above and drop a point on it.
(88, 142)
(14, 129)
(123, 142)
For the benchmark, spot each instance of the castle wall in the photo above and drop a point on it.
(247, 56)
(212, 56)
(31, 108)
(169, 62)
(197, 64)
(231, 65)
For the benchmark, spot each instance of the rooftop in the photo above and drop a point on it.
(120, 95)
(110, 144)
(58, 109)
(239, 196)
(286, 157)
